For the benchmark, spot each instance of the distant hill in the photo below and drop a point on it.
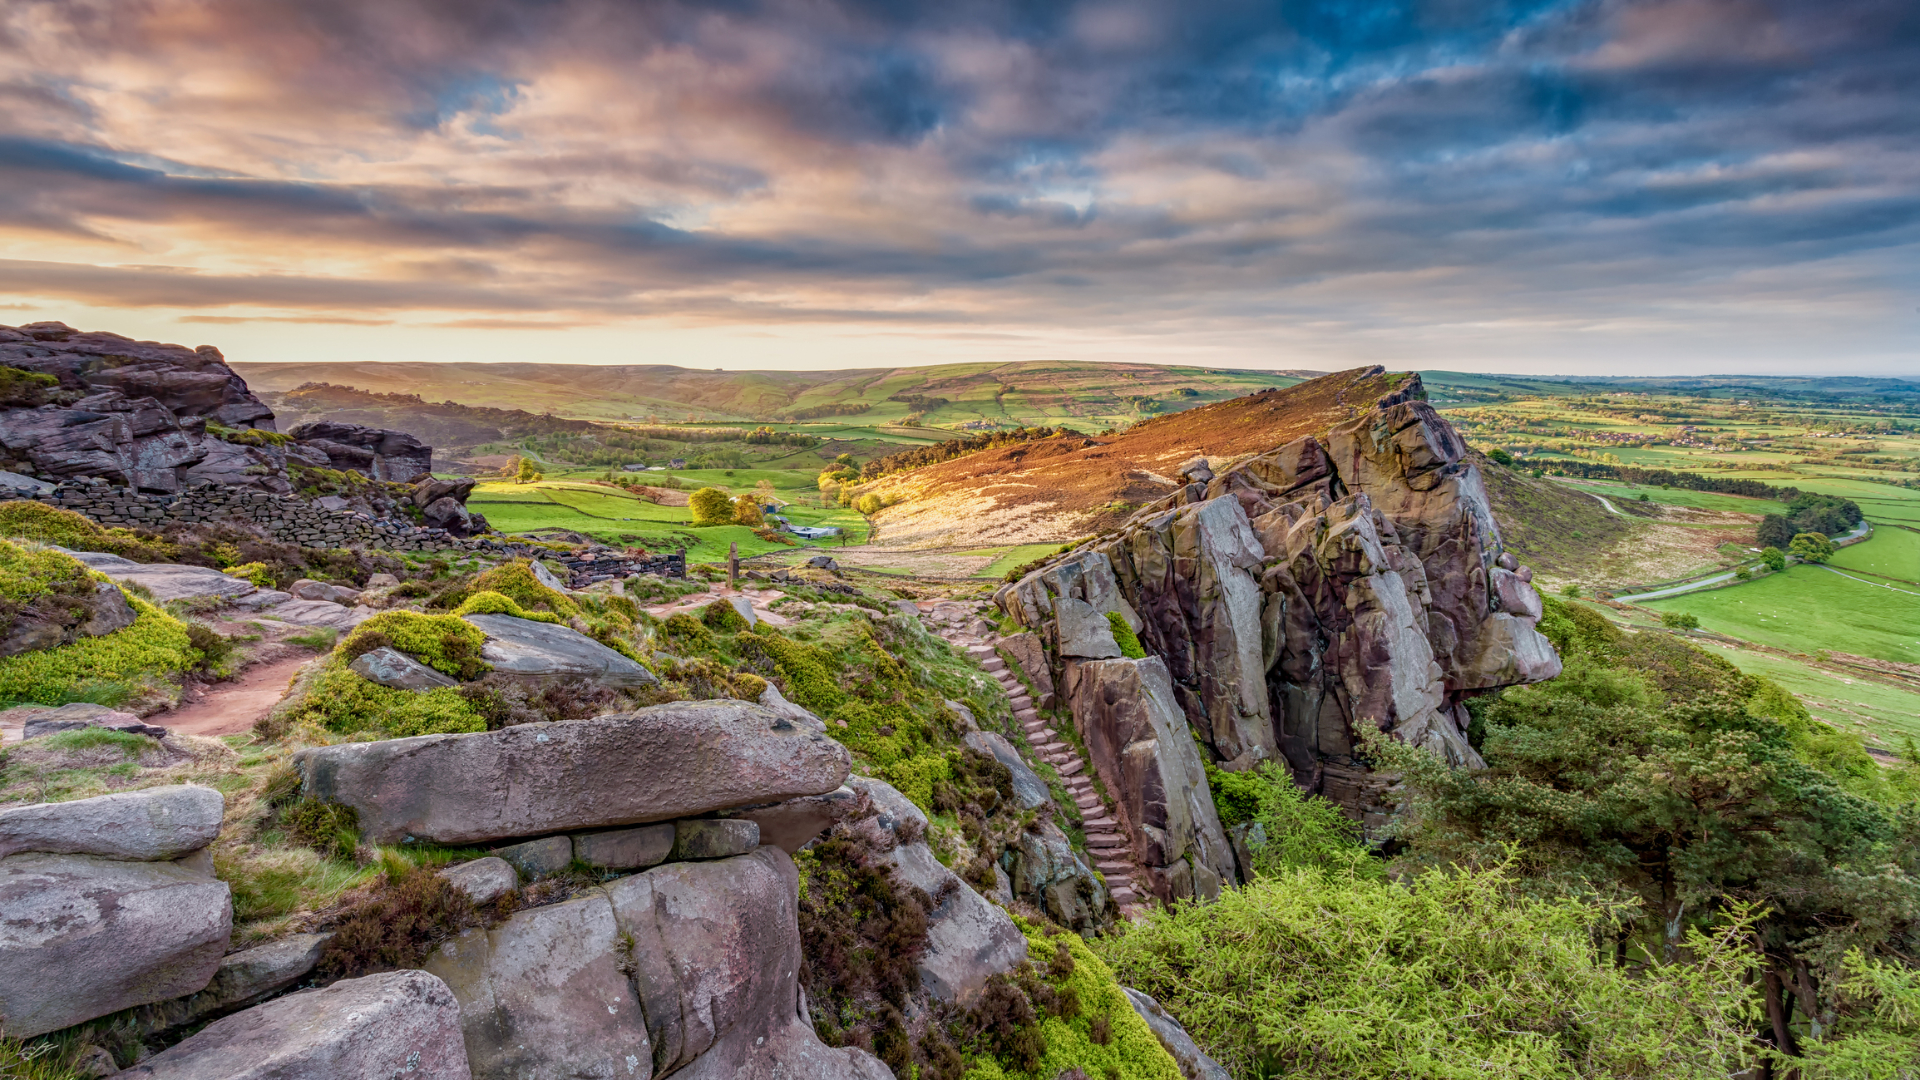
(1068, 486)
(1089, 396)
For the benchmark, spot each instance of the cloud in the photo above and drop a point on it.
(1226, 175)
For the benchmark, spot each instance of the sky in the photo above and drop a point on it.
(1625, 187)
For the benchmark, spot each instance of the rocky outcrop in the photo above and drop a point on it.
(372, 452)
(1354, 580)
(537, 779)
(167, 581)
(389, 666)
(83, 936)
(1137, 742)
(402, 1023)
(526, 647)
(242, 979)
(35, 721)
(969, 940)
(156, 418)
(688, 969)
(156, 824)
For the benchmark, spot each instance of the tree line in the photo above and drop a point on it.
(922, 456)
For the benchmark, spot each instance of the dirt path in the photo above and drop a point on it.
(232, 708)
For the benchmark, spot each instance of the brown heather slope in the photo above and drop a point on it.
(1069, 486)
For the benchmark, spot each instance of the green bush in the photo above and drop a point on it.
(721, 617)
(493, 603)
(711, 506)
(25, 389)
(156, 645)
(1316, 975)
(1679, 620)
(1123, 634)
(1811, 547)
(515, 580)
(1103, 1037)
(342, 702)
(29, 572)
(27, 520)
(446, 643)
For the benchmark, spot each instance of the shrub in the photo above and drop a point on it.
(27, 572)
(493, 603)
(721, 616)
(259, 573)
(515, 580)
(869, 504)
(209, 644)
(405, 918)
(340, 701)
(1775, 559)
(1123, 634)
(445, 643)
(24, 389)
(1500, 457)
(155, 645)
(503, 700)
(332, 829)
(1312, 974)
(28, 520)
(711, 506)
(1679, 620)
(746, 511)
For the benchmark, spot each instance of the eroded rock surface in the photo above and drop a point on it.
(688, 969)
(396, 1024)
(687, 759)
(546, 650)
(82, 936)
(152, 824)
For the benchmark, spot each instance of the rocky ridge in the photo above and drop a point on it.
(1348, 580)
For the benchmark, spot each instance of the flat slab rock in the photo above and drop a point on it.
(684, 759)
(317, 613)
(81, 937)
(33, 721)
(154, 824)
(526, 647)
(167, 581)
(389, 666)
(396, 1024)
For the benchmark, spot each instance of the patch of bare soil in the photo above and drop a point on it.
(232, 708)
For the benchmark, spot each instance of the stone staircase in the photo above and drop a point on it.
(1106, 845)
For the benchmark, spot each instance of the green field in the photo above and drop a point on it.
(1699, 500)
(615, 517)
(1809, 608)
(1892, 553)
(1845, 701)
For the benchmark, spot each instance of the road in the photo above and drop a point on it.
(1864, 581)
(1676, 590)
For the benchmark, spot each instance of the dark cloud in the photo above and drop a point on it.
(1127, 165)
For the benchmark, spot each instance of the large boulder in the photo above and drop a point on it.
(547, 650)
(1138, 745)
(655, 764)
(1029, 791)
(1053, 877)
(688, 968)
(373, 452)
(154, 824)
(969, 940)
(397, 1024)
(389, 666)
(167, 581)
(137, 412)
(82, 936)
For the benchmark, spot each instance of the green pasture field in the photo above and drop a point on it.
(1883, 713)
(1892, 553)
(1699, 500)
(1008, 558)
(614, 517)
(1809, 608)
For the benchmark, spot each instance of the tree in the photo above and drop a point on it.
(1775, 559)
(1652, 772)
(711, 506)
(746, 511)
(1500, 457)
(527, 472)
(1811, 547)
(763, 492)
(868, 504)
(1679, 620)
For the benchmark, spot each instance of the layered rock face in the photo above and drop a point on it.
(143, 414)
(1332, 584)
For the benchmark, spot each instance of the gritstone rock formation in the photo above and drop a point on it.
(1348, 580)
(164, 418)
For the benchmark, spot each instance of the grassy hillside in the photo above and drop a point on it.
(1090, 396)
